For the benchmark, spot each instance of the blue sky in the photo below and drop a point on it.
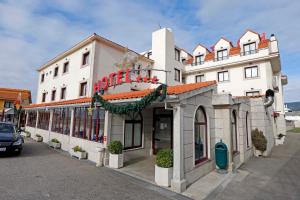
(32, 32)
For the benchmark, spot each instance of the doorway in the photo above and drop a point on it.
(162, 129)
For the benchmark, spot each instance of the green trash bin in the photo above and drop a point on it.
(221, 155)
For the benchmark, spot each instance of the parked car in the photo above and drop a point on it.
(10, 138)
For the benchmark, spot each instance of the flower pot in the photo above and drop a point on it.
(55, 145)
(39, 139)
(115, 160)
(163, 176)
(279, 141)
(78, 154)
(258, 153)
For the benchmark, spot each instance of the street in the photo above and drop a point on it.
(43, 173)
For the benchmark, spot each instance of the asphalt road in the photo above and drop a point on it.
(43, 173)
(273, 178)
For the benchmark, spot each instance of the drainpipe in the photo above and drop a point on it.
(269, 97)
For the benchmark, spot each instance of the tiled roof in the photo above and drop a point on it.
(209, 56)
(171, 90)
(234, 51)
(263, 44)
(11, 94)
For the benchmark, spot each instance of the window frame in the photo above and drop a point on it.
(200, 75)
(222, 57)
(83, 63)
(53, 95)
(56, 71)
(66, 67)
(61, 93)
(201, 60)
(218, 77)
(201, 123)
(177, 72)
(251, 69)
(80, 89)
(42, 77)
(133, 121)
(250, 51)
(177, 54)
(44, 97)
(257, 92)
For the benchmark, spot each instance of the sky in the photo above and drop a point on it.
(32, 32)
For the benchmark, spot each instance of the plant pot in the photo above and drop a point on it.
(258, 153)
(163, 176)
(116, 160)
(279, 141)
(55, 145)
(26, 134)
(78, 154)
(39, 139)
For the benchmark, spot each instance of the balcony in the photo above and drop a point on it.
(245, 53)
(221, 58)
(197, 63)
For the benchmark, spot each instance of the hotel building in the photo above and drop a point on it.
(212, 95)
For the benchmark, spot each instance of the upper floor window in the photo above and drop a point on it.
(85, 58)
(199, 59)
(44, 97)
(66, 67)
(251, 72)
(199, 78)
(252, 93)
(55, 71)
(177, 75)
(63, 93)
(83, 87)
(223, 76)
(177, 55)
(222, 54)
(249, 48)
(8, 104)
(53, 94)
(42, 77)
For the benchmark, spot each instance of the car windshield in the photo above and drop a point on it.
(6, 128)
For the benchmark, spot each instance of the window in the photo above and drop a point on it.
(8, 104)
(177, 75)
(133, 131)
(251, 72)
(89, 126)
(199, 78)
(177, 55)
(199, 60)
(63, 93)
(200, 135)
(42, 77)
(31, 121)
(247, 130)
(234, 135)
(249, 48)
(43, 120)
(149, 73)
(53, 94)
(66, 67)
(55, 71)
(183, 60)
(82, 91)
(44, 97)
(61, 121)
(222, 54)
(252, 93)
(223, 76)
(85, 58)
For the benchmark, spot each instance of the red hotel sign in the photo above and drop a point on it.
(120, 77)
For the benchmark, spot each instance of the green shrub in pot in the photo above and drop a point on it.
(164, 158)
(115, 147)
(259, 140)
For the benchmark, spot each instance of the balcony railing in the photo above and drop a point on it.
(197, 63)
(221, 58)
(245, 53)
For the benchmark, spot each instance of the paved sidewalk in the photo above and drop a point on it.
(275, 177)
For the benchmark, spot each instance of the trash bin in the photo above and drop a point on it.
(221, 155)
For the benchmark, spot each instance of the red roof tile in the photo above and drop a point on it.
(11, 94)
(235, 51)
(177, 89)
(263, 44)
(209, 56)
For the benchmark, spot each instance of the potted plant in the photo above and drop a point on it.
(259, 141)
(280, 139)
(38, 138)
(26, 134)
(164, 167)
(78, 152)
(115, 149)
(55, 143)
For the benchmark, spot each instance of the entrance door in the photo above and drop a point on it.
(163, 129)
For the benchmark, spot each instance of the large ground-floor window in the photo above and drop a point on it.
(200, 135)
(87, 125)
(31, 121)
(44, 119)
(61, 121)
(133, 131)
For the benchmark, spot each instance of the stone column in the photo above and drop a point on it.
(50, 124)
(178, 183)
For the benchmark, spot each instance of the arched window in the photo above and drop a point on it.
(247, 130)
(234, 133)
(200, 135)
(133, 131)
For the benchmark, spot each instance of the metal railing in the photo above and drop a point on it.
(245, 53)
(197, 63)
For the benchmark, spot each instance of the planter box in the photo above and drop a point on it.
(163, 176)
(55, 145)
(39, 139)
(26, 134)
(115, 160)
(79, 155)
(279, 141)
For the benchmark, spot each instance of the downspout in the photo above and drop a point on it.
(269, 97)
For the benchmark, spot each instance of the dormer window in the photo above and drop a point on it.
(222, 54)
(249, 48)
(177, 55)
(199, 60)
